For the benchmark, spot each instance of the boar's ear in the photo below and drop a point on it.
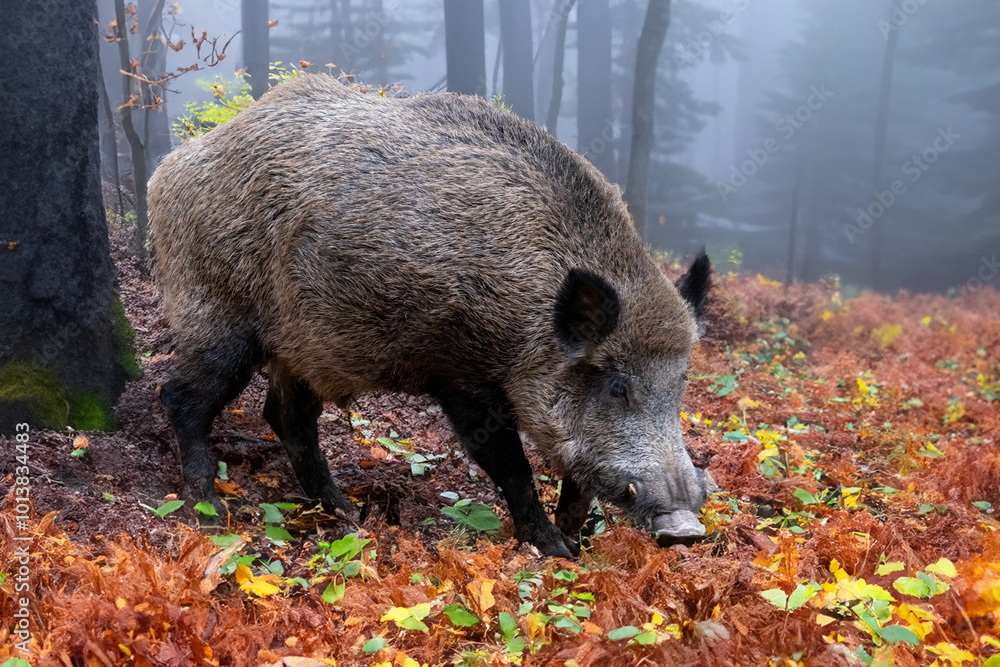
(587, 310)
(694, 284)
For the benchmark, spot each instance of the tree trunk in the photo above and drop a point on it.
(109, 144)
(65, 346)
(558, 56)
(256, 44)
(654, 30)
(134, 142)
(877, 249)
(515, 33)
(153, 64)
(465, 46)
(593, 29)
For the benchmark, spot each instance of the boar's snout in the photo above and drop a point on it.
(677, 527)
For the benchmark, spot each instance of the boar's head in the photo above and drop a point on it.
(619, 391)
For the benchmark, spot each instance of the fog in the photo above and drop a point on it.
(796, 138)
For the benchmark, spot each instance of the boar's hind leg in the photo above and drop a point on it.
(488, 431)
(292, 408)
(573, 508)
(206, 380)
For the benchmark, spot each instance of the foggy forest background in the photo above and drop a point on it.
(798, 139)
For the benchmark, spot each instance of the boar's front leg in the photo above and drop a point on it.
(573, 508)
(485, 424)
(292, 408)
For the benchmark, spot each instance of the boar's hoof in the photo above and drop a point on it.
(678, 527)
(550, 541)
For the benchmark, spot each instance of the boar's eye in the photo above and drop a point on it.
(620, 388)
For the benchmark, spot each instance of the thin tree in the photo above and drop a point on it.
(138, 149)
(558, 58)
(593, 29)
(654, 30)
(153, 65)
(515, 34)
(877, 249)
(65, 346)
(465, 46)
(256, 44)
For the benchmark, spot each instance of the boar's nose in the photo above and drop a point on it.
(677, 527)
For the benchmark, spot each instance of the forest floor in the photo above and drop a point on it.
(857, 443)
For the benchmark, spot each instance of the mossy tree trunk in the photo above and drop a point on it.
(65, 346)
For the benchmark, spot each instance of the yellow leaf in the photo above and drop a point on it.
(243, 574)
(120, 603)
(912, 615)
(396, 614)
(126, 650)
(944, 567)
(827, 316)
(657, 619)
(259, 587)
(482, 594)
(952, 653)
(745, 403)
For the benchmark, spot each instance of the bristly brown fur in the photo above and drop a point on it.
(352, 242)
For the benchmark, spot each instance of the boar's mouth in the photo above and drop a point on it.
(677, 527)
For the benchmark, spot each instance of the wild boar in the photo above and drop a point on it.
(347, 242)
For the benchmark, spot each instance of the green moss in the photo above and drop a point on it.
(123, 341)
(89, 412)
(38, 389)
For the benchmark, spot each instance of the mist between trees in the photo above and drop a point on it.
(748, 100)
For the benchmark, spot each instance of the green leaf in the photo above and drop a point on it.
(646, 638)
(899, 633)
(889, 568)
(626, 632)
(735, 436)
(374, 645)
(206, 508)
(943, 567)
(278, 535)
(15, 662)
(508, 625)
(460, 616)
(992, 661)
(724, 385)
(912, 586)
(334, 591)
(775, 596)
(226, 540)
(272, 514)
(78, 452)
(275, 567)
(223, 473)
(166, 508)
(805, 497)
(516, 645)
(565, 575)
(802, 594)
(984, 506)
(410, 623)
(287, 507)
